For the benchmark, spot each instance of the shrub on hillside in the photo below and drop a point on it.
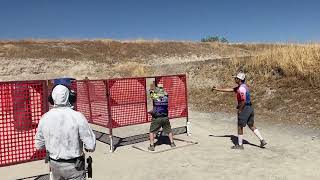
(214, 39)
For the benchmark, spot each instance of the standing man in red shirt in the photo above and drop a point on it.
(245, 109)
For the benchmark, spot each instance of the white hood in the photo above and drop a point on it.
(60, 95)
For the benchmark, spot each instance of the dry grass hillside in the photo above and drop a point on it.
(284, 78)
(99, 58)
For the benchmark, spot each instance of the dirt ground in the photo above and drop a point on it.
(292, 153)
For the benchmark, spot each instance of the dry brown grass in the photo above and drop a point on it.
(108, 51)
(280, 61)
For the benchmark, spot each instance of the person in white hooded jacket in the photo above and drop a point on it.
(63, 132)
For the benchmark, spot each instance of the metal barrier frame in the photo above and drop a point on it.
(155, 77)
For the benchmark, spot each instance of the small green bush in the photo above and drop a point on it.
(214, 39)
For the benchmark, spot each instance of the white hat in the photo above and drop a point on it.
(60, 95)
(241, 76)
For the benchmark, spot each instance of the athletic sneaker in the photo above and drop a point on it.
(173, 145)
(263, 143)
(239, 147)
(151, 148)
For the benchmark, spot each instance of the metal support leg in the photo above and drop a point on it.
(188, 128)
(111, 143)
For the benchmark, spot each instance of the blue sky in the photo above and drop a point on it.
(237, 20)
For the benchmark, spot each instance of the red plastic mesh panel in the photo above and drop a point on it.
(82, 103)
(21, 106)
(97, 98)
(175, 86)
(127, 101)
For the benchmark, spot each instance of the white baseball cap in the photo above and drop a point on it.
(241, 76)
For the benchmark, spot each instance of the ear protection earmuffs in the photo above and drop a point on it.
(72, 95)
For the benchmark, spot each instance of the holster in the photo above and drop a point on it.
(80, 163)
(89, 161)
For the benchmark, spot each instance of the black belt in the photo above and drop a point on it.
(73, 160)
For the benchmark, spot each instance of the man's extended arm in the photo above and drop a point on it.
(222, 89)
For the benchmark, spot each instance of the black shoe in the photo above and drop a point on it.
(173, 145)
(238, 147)
(151, 148)
(263, 143)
